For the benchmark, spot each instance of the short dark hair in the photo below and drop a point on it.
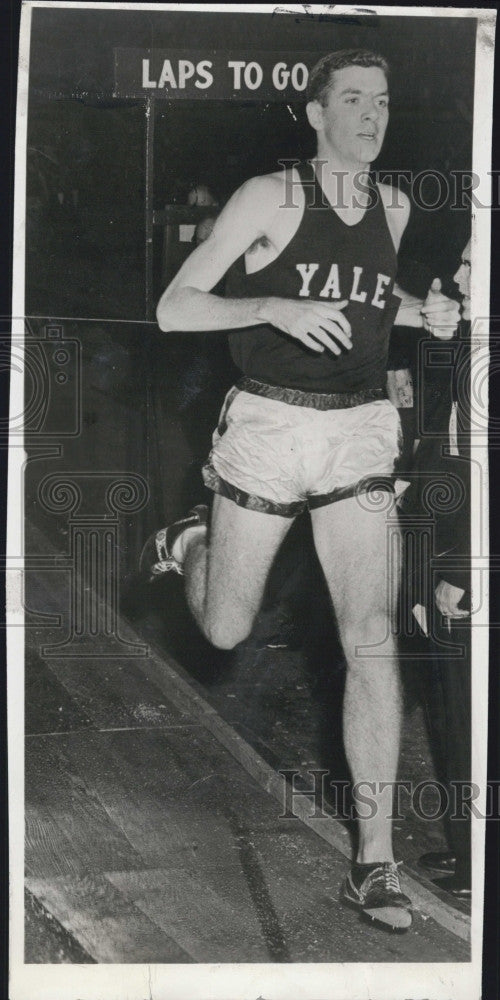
(320, 77)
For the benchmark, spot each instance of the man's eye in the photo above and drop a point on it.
(352, 100)
(383, 104)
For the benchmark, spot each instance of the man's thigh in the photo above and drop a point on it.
(357, 541)
(243, 544)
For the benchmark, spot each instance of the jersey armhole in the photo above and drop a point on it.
(286, 204)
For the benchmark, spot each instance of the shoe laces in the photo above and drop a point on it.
(388, 873)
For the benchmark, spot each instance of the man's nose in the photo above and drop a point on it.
(371, 112)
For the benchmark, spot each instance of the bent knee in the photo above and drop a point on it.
(227, 635)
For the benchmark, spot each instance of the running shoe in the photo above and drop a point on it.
(156, 557)
(379, 896)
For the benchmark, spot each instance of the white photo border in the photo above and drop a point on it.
(373, 981)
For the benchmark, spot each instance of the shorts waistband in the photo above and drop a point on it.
(314, 400)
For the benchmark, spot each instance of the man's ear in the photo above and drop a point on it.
(314, 112)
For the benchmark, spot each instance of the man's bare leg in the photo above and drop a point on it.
(352, 543)
(225, 577)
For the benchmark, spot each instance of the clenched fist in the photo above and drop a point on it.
(441, 314)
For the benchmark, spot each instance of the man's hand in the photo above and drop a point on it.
(317, 325)
(448, 598)
(441, 314)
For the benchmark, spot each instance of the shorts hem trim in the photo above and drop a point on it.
(249, 501)
(366, 485)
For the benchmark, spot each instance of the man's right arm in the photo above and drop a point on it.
(188, 305)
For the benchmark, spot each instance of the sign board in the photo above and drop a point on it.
(213, 75)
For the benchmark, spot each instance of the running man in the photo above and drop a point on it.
(309, 255)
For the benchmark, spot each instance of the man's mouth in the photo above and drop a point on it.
(367, 135)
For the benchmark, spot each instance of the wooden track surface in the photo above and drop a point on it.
(147, 840)
(153, 829)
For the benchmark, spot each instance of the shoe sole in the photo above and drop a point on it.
(389, 917)
(146, 558)
(398, 919)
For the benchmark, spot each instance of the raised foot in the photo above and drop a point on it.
(157, 557)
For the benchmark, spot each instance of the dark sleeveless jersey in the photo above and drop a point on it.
(326, 260)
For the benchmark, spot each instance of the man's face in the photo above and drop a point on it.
(355, 117)
(462, 278)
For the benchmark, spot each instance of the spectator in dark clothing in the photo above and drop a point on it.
(437, 506)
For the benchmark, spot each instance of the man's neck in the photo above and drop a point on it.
(344, 183)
